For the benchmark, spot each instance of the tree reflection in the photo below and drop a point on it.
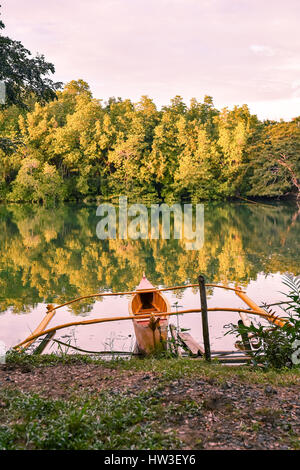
(54, 255)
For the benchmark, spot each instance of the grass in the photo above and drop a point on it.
(113, 420)
(172, 369)
(98, 422)
(168, 368)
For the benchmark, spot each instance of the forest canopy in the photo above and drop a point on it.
(77, 147)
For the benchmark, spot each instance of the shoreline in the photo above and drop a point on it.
(156, 199)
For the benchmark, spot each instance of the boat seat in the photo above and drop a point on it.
(147, 310)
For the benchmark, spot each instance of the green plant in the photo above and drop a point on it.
(174, 342)
(277, 346)
(103, 421)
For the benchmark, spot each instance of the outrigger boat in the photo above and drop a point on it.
(149, 311)
(151, 333)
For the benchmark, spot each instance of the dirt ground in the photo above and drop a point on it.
(233, 415)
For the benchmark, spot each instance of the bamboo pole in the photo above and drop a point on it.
(103, 353)
(164, 289)
(131, 317)
(49, 315)
(272, 305)
(272, 319)
(204, 317)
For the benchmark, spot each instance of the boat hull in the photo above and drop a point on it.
(150, 341)
(151, 334)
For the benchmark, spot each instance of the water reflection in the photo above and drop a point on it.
(53, 255)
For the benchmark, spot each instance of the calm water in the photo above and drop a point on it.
(53, 255)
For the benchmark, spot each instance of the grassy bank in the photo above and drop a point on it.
(75, 402)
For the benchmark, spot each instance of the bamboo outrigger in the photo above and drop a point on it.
(42, 326)
(254, 306)
(149, 311)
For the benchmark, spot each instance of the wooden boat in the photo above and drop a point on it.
(151, 333)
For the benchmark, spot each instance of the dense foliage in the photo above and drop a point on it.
(76, 147)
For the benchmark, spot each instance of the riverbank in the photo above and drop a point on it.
(75, 402)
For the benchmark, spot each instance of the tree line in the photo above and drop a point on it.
(77, 147)
(63, 144)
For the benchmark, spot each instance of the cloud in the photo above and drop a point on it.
(276, 109)
(262, 50)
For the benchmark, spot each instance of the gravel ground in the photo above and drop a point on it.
(230, 415)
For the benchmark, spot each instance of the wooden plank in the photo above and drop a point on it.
(234, 359)
(245, 319)
(191, 344)
(228, 353)
(228, 359)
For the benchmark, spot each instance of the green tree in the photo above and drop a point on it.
(234, 131)
(166, 147)
(274, 164)
(198, 172)
(24, 75)
(26, 79)
(36, 182)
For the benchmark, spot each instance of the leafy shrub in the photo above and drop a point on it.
(36, 182)
(277, 346)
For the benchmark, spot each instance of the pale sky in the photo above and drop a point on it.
(237, 51)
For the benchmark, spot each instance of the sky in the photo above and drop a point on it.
(237, 51)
